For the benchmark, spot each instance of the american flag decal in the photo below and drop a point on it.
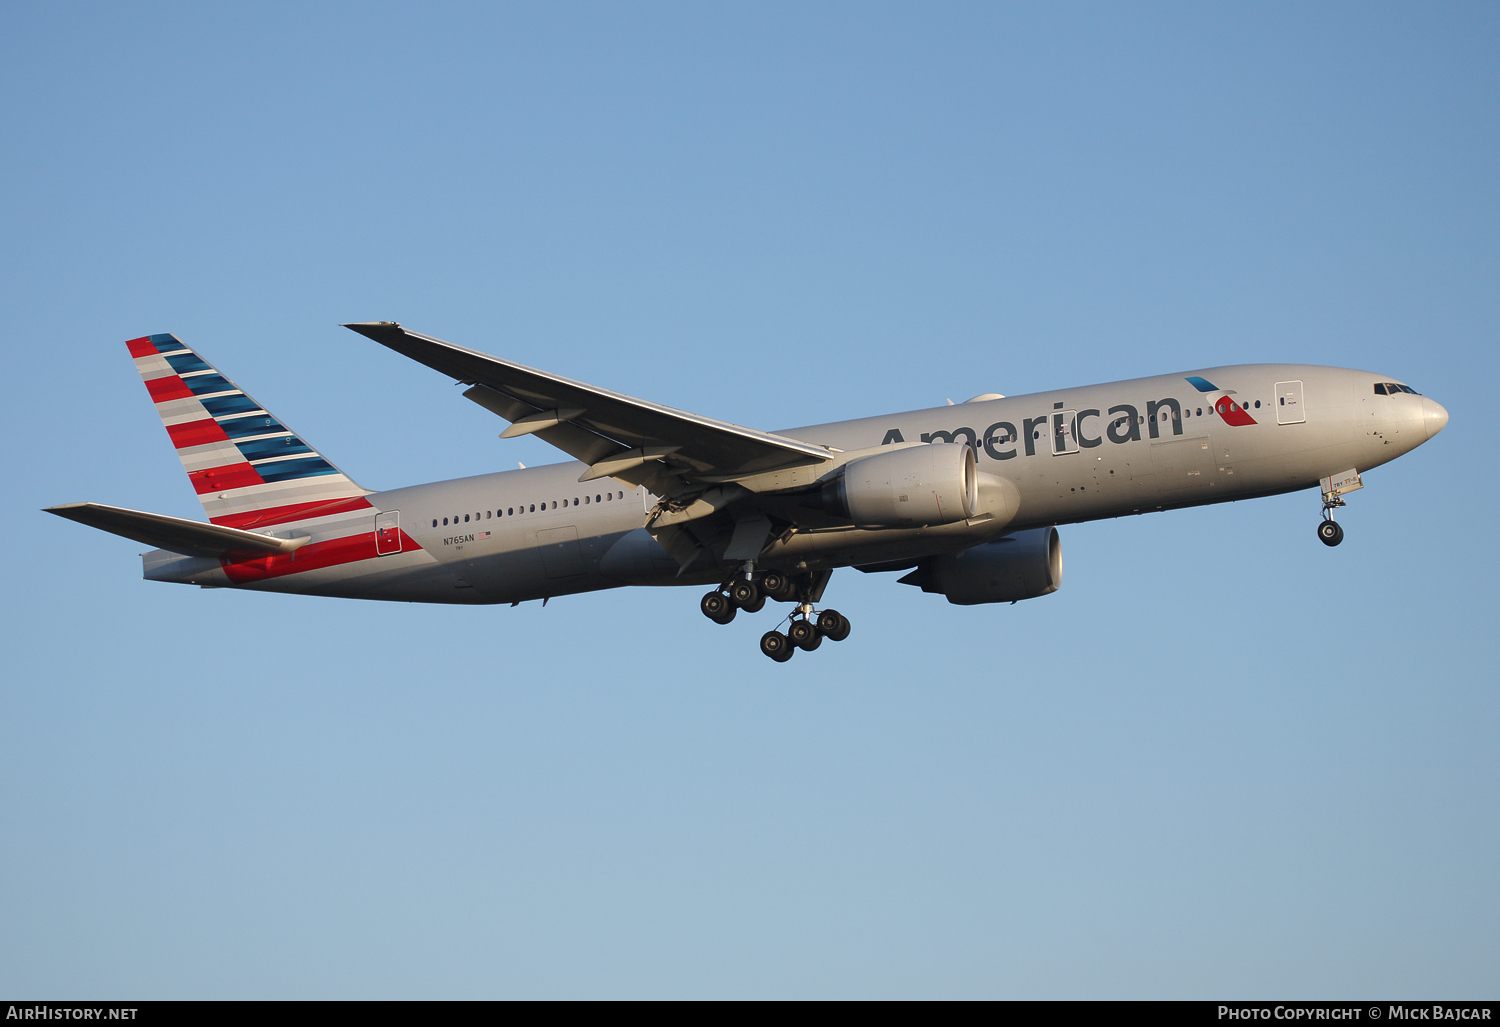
(482, 535)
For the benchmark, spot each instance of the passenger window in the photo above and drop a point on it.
(466, 518)
(434, 522)
(585, 500)
(1257, 404)
(596, 499)
(509, 511)
(445, 522)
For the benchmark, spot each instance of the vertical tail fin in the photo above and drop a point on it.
(246, 466)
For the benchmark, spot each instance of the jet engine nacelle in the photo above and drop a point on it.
(1023, 565)
(937, 483)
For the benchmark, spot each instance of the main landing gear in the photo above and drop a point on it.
(807, 627)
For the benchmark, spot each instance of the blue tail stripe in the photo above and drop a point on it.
(240, 404)
(208, 384)
(264, 449)
(239, 427)
(183, 363)
(305, 468)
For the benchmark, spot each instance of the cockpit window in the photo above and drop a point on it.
(1408, 388)
(1380, 388)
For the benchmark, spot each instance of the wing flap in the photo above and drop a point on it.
(177, 534)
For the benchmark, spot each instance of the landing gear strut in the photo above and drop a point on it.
(1329, 531)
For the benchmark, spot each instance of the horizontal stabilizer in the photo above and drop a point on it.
(177, 534)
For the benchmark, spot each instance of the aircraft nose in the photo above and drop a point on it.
(1434, 417)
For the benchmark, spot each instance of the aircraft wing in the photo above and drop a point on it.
(616, 435)
(178, 534)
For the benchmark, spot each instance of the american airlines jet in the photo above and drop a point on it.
(965, 498)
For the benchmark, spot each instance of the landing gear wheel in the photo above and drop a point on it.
(778, 586)
(756, 606)
(1330, 534)
(804, 635)
(833, 625)
(744, 594)
(777, 646)
(717, 608)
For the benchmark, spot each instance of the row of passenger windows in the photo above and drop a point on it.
(1392, 389)
(512, 511)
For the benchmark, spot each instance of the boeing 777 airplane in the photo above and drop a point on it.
(965, 498)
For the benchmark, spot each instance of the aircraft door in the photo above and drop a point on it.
(1289, 403)
(388, 532)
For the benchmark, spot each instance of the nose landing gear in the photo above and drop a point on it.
(1334, 488)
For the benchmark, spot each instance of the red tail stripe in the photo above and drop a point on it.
(168, 387)
(232, 476)
(292, 512)
(141, 347)
(311, 557)
(196, 433)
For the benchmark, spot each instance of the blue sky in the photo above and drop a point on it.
(1222, 761)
